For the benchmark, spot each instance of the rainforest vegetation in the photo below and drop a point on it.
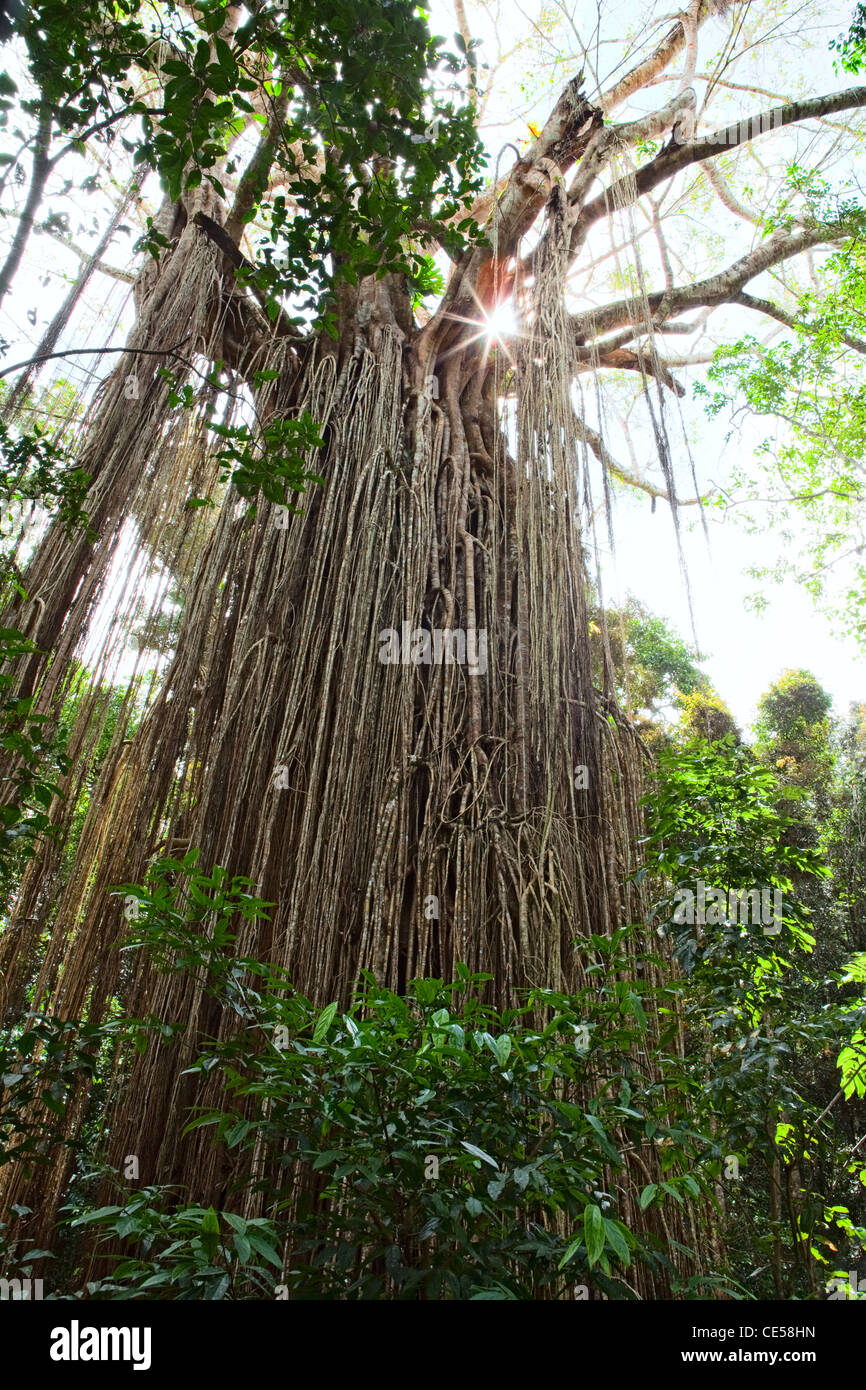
(336, 341)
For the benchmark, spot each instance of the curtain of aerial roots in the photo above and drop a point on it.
(401, 816)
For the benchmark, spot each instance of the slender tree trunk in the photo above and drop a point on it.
(38, 179)
(50, 337)
(775, 1173)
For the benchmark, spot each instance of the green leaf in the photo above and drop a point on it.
(264, 1248)
(605, 1143)
(210, 1232)
(616, 1240)
(90, 1217)
(323, 1159)
(324, 1022)
(213, 19)
(593, 1233)
(570, 1252)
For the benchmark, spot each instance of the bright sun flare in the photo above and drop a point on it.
(501, 323)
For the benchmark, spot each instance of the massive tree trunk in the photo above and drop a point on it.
(402, 815)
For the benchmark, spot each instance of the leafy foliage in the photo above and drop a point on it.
(169, 916)
(42, 1065)
(761, 1020)
(704, 715)
(355, 82)
(420, 1146)
(653, 666)
(276, 464)
(452, 1158)
(430, 1146)
(851, 47)
(38, 757)
(33, 468)
(187, 1252)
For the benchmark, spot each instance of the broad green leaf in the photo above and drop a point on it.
(593, 1233)
(616, 1240)
(324, 1022)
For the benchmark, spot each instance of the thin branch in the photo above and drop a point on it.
(38, 179)
(673, 42)
(466, 36)
(608, 462)
(127, 277)
(773, 311)
(721, 288)
(77, 352)
(670, 161)
(726, 195)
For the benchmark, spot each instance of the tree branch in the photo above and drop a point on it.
(673, 42)
(466, 36)
(255, 177)
(608, 462)
(127, 277)
(622, 360)
(722, 288)
(38, 178)
(78, 352)
(726, 195)
(773, 311)
(220, 237)
(670, 161)
(481, 277)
